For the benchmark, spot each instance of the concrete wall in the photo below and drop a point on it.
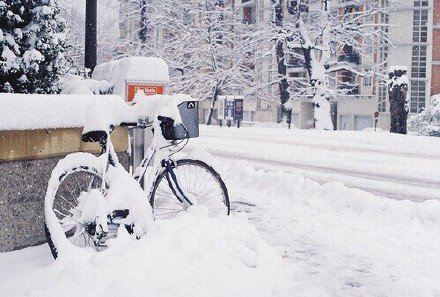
(26, 161)
(23, 188)
(384, 121)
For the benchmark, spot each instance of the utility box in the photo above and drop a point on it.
(189, 112)
(131, 74)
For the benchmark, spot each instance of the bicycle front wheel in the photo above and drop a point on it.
(75, 175)
(198, 181)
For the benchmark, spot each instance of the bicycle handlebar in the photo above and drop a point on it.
(146, 122)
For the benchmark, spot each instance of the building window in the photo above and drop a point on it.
(418, 66)
(383, 58)
(248, 15)
(418, 95)
(420, 25)
(419, 56)
(382, 106)
(362, 122)
(344, 122)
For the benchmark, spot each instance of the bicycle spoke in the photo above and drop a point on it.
(73, 206)
(198, 182)
(63, 209)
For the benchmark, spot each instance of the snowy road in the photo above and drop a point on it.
(385, 167)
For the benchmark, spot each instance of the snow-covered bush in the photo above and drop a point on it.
(74, 84)
(31, 46)
(427, 122)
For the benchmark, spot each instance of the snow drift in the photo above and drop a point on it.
(191, 255)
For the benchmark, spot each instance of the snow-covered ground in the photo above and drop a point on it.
(288, 235)
(396, 166)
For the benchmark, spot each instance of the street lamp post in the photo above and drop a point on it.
(90, 55)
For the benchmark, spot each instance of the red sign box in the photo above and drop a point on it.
(148, 89)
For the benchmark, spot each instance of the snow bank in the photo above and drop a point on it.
(427, 122)
(306, 239)
(31, 112)
(134, 69)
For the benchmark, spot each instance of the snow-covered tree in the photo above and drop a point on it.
(200, 40)
(398, 84)
(32, 46)
(280, 47)
(333, 39)
(427, 122)
(327, 38)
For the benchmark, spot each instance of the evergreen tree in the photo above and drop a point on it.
(32, 46)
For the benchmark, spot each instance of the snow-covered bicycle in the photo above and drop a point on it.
(90, 199)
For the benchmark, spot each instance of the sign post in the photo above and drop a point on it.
(376, 119)
(238, 111)
(130, 75)
(141, 138)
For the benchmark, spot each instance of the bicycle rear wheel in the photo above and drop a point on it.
(198, 181)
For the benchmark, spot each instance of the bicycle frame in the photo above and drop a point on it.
(156, 161)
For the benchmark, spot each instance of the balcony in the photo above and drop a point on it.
(350, 57)
(350, 90)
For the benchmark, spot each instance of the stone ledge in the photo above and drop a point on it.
(37, 144)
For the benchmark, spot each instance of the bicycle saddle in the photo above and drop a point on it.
(94, 136)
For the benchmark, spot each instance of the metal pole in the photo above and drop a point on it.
(90, 55)
(143, 23)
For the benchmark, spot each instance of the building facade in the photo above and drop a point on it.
(413, 28)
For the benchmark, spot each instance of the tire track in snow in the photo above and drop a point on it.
(379, 184)
(329, 147)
